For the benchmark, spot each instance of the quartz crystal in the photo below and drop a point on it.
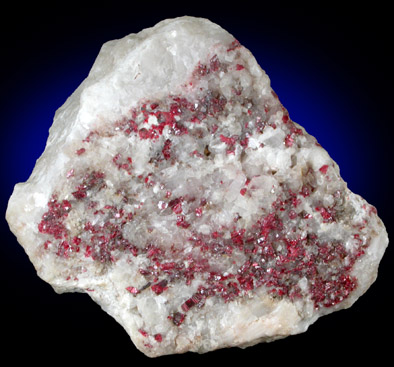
(177, 192)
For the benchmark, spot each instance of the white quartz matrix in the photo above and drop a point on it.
(178, 193)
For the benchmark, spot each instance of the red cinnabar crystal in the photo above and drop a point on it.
(186, 201)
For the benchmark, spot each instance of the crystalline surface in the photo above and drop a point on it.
(175, 188)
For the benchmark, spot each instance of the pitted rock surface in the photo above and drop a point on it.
(178, 193)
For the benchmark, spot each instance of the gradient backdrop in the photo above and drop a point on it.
(329, 67)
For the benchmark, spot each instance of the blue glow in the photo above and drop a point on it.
(331, 99)
(331, 105)
(318, 95)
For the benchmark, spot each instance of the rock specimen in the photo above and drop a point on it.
(175, 188)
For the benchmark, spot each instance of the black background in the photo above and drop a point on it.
(331, 67)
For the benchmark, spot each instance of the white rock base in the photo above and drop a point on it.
(177, 192)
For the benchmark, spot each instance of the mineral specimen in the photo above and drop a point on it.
(175, 188)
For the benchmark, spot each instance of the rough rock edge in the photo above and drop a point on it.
(62, 132)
